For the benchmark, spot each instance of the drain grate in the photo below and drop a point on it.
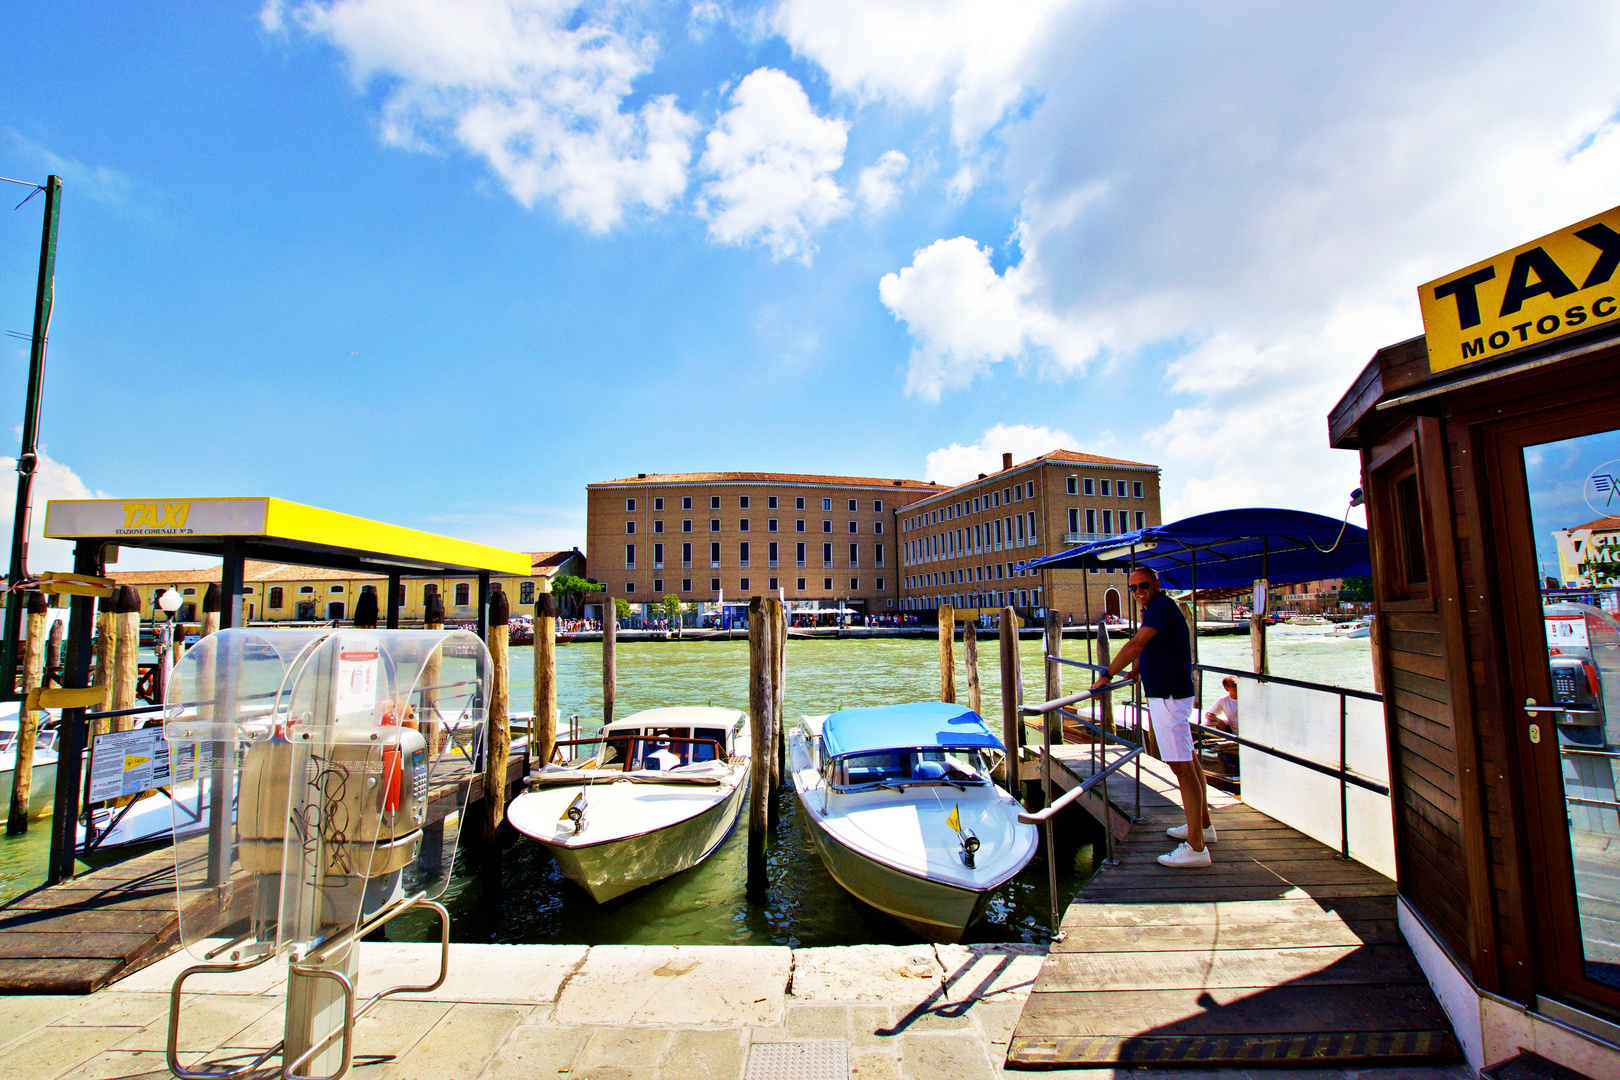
(827, 1060)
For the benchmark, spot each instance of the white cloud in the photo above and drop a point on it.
(772, 159)
(537, 88)
(966, 318)
(957, 464)
(878, 186)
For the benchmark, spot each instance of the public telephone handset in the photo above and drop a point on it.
(328, 816)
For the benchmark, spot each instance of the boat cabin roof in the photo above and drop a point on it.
(916, 725)
(679, 716)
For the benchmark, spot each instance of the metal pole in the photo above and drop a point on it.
(71, 742)
(1051, 877)
(27, 456)
(1344, 787)
(393, 600)
(483, 606)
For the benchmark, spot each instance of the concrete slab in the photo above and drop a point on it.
(52, 1051)
(207, 1021)
(945, 1057)
(902, 975)
(534, 1051)
(458, 1045)
(128, 1065)
(495, 974)
(990, 971)
(23, 1014)
(159, 978)
(714, 1055)
(688, 986)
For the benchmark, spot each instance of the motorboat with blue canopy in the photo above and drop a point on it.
(905, 814)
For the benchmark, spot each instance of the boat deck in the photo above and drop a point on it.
(77, 937)
(1280, 953)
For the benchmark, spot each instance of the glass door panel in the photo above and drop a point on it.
(1574, 489)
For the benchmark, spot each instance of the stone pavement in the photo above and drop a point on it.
(612, 1012)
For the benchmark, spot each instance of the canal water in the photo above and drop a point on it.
(527, 900)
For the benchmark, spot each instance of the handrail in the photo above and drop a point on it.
(1058, 704)
(1042, 816)
(1364, 695)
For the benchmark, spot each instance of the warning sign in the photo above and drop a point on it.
(130, 762)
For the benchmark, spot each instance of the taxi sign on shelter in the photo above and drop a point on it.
(1559, 284)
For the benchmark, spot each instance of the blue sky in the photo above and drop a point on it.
(445, 264)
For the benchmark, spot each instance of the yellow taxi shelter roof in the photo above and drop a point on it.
(274, 530)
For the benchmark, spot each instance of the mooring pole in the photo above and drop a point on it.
(87, 559)
(543, 736)
(126, 659)
(970, 657)
(947, 654)
(1009, 697)
(610, 662)
(498, 741)
(28, 456)
(22, 776)
(759, 721)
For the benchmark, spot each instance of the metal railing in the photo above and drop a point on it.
(1101, 770)
(1343, 773)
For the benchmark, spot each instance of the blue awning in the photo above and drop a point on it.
(1232, 548)
(906, 727)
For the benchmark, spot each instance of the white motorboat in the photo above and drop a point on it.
(660, 795)
(1358, 628)
(904, 813)
(42, 788)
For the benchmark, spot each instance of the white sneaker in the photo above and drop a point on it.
(1180, 833)
(1185, 856)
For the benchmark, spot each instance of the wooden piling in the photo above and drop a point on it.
(105, 649)
(543, 735)
(1257, 631)
(498, 733)
(1010, 720)
(779, 686)
(126, 658)
(970, 657)
(947, 654)
(432, 673)
(1052, 639)
(53, 655)
(210, 612)
(366, 611)
(610, 660)
(773, 623)
(22, 776)
(1375, 640)
(1105, 655)
(760, 699)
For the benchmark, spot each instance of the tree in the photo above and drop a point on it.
(672, 608)
(571, 591)
(622, 606)
(1356, 589)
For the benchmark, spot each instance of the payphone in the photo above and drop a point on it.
(332, 767)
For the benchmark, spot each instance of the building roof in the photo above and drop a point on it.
(760, 478)
(542, 564)
(1603, 524)
(1065, 457)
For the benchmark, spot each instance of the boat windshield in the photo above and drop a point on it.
(904, 767)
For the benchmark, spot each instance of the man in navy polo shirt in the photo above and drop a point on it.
(1162, 651)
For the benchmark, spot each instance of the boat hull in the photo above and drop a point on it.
(614, 867)
(42, 789)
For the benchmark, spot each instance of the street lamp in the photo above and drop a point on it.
(169, 601)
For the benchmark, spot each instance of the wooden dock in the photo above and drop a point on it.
(1279, 953)
(76, 937)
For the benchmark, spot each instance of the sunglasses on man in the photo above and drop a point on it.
(1141, 586)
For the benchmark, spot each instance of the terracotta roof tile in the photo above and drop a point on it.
(1603, 524)
(764, 478)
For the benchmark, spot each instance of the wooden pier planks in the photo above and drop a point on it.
(76, 937)
(1278, 953)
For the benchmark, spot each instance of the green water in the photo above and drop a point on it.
(527, 900)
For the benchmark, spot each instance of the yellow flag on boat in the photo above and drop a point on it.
(955, 819)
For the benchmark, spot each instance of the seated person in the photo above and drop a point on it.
(661, 758)
(1224, 714)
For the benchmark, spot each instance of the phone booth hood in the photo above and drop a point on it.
(318, 775)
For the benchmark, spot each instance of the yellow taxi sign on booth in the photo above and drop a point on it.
(1559, 284)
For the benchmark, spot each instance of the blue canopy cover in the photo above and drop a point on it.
(1231, 549)
(906, 727)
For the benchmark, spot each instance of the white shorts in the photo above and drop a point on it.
(1170, 719)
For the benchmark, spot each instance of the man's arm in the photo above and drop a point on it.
(1127, 655)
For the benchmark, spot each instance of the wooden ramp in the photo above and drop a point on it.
(76, 937)
(1279, 953)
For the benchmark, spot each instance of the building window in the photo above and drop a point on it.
(275, 596)
(686, 584)
(686, 525)
(1073, 485)
(1105, 487)
(686, 555)
(826, 504)
(799, 555)
(1074, 519)
(826, 525)
(770, 524)
(798, 526)
(630, 528)
(742, 553)
(798, 504)
(774, 586)
(1136, 489)
(686, 502)
(877, 506)
(854, 554)
(854, 584)
(714, 584)
(1141, 520)
(742, 502)
(854, 526)
(1089, 485)
(629, 556)
(877, 527)
(879, 584)
(852, 506)
(1120, 487)
(800, 585)
(1029, 488)
(826, 554)
(247, 590)
(526, 593)
(658, 585)
(629, 504)
(658, 503)
(877, 555)
(1091, 521)
(658, 556)
(995, 498)
(742, 584)
(714, 554)
(742, 524)
(714, 524)
(826, 584)
(463, 594)
(335, 589)
(771, 551)
(658, 525)
(430, 589)
(1108, 520)
(714, 502)
(770, 502)
(1034, 538)
(1018, 493)
(629, 587)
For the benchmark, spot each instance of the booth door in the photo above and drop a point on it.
(1560, 569)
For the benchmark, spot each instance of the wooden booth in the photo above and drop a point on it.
(1490, 457)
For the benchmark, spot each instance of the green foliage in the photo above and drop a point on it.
(672, 605)
(1356, 588)
(622, 606)
(570, 585)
